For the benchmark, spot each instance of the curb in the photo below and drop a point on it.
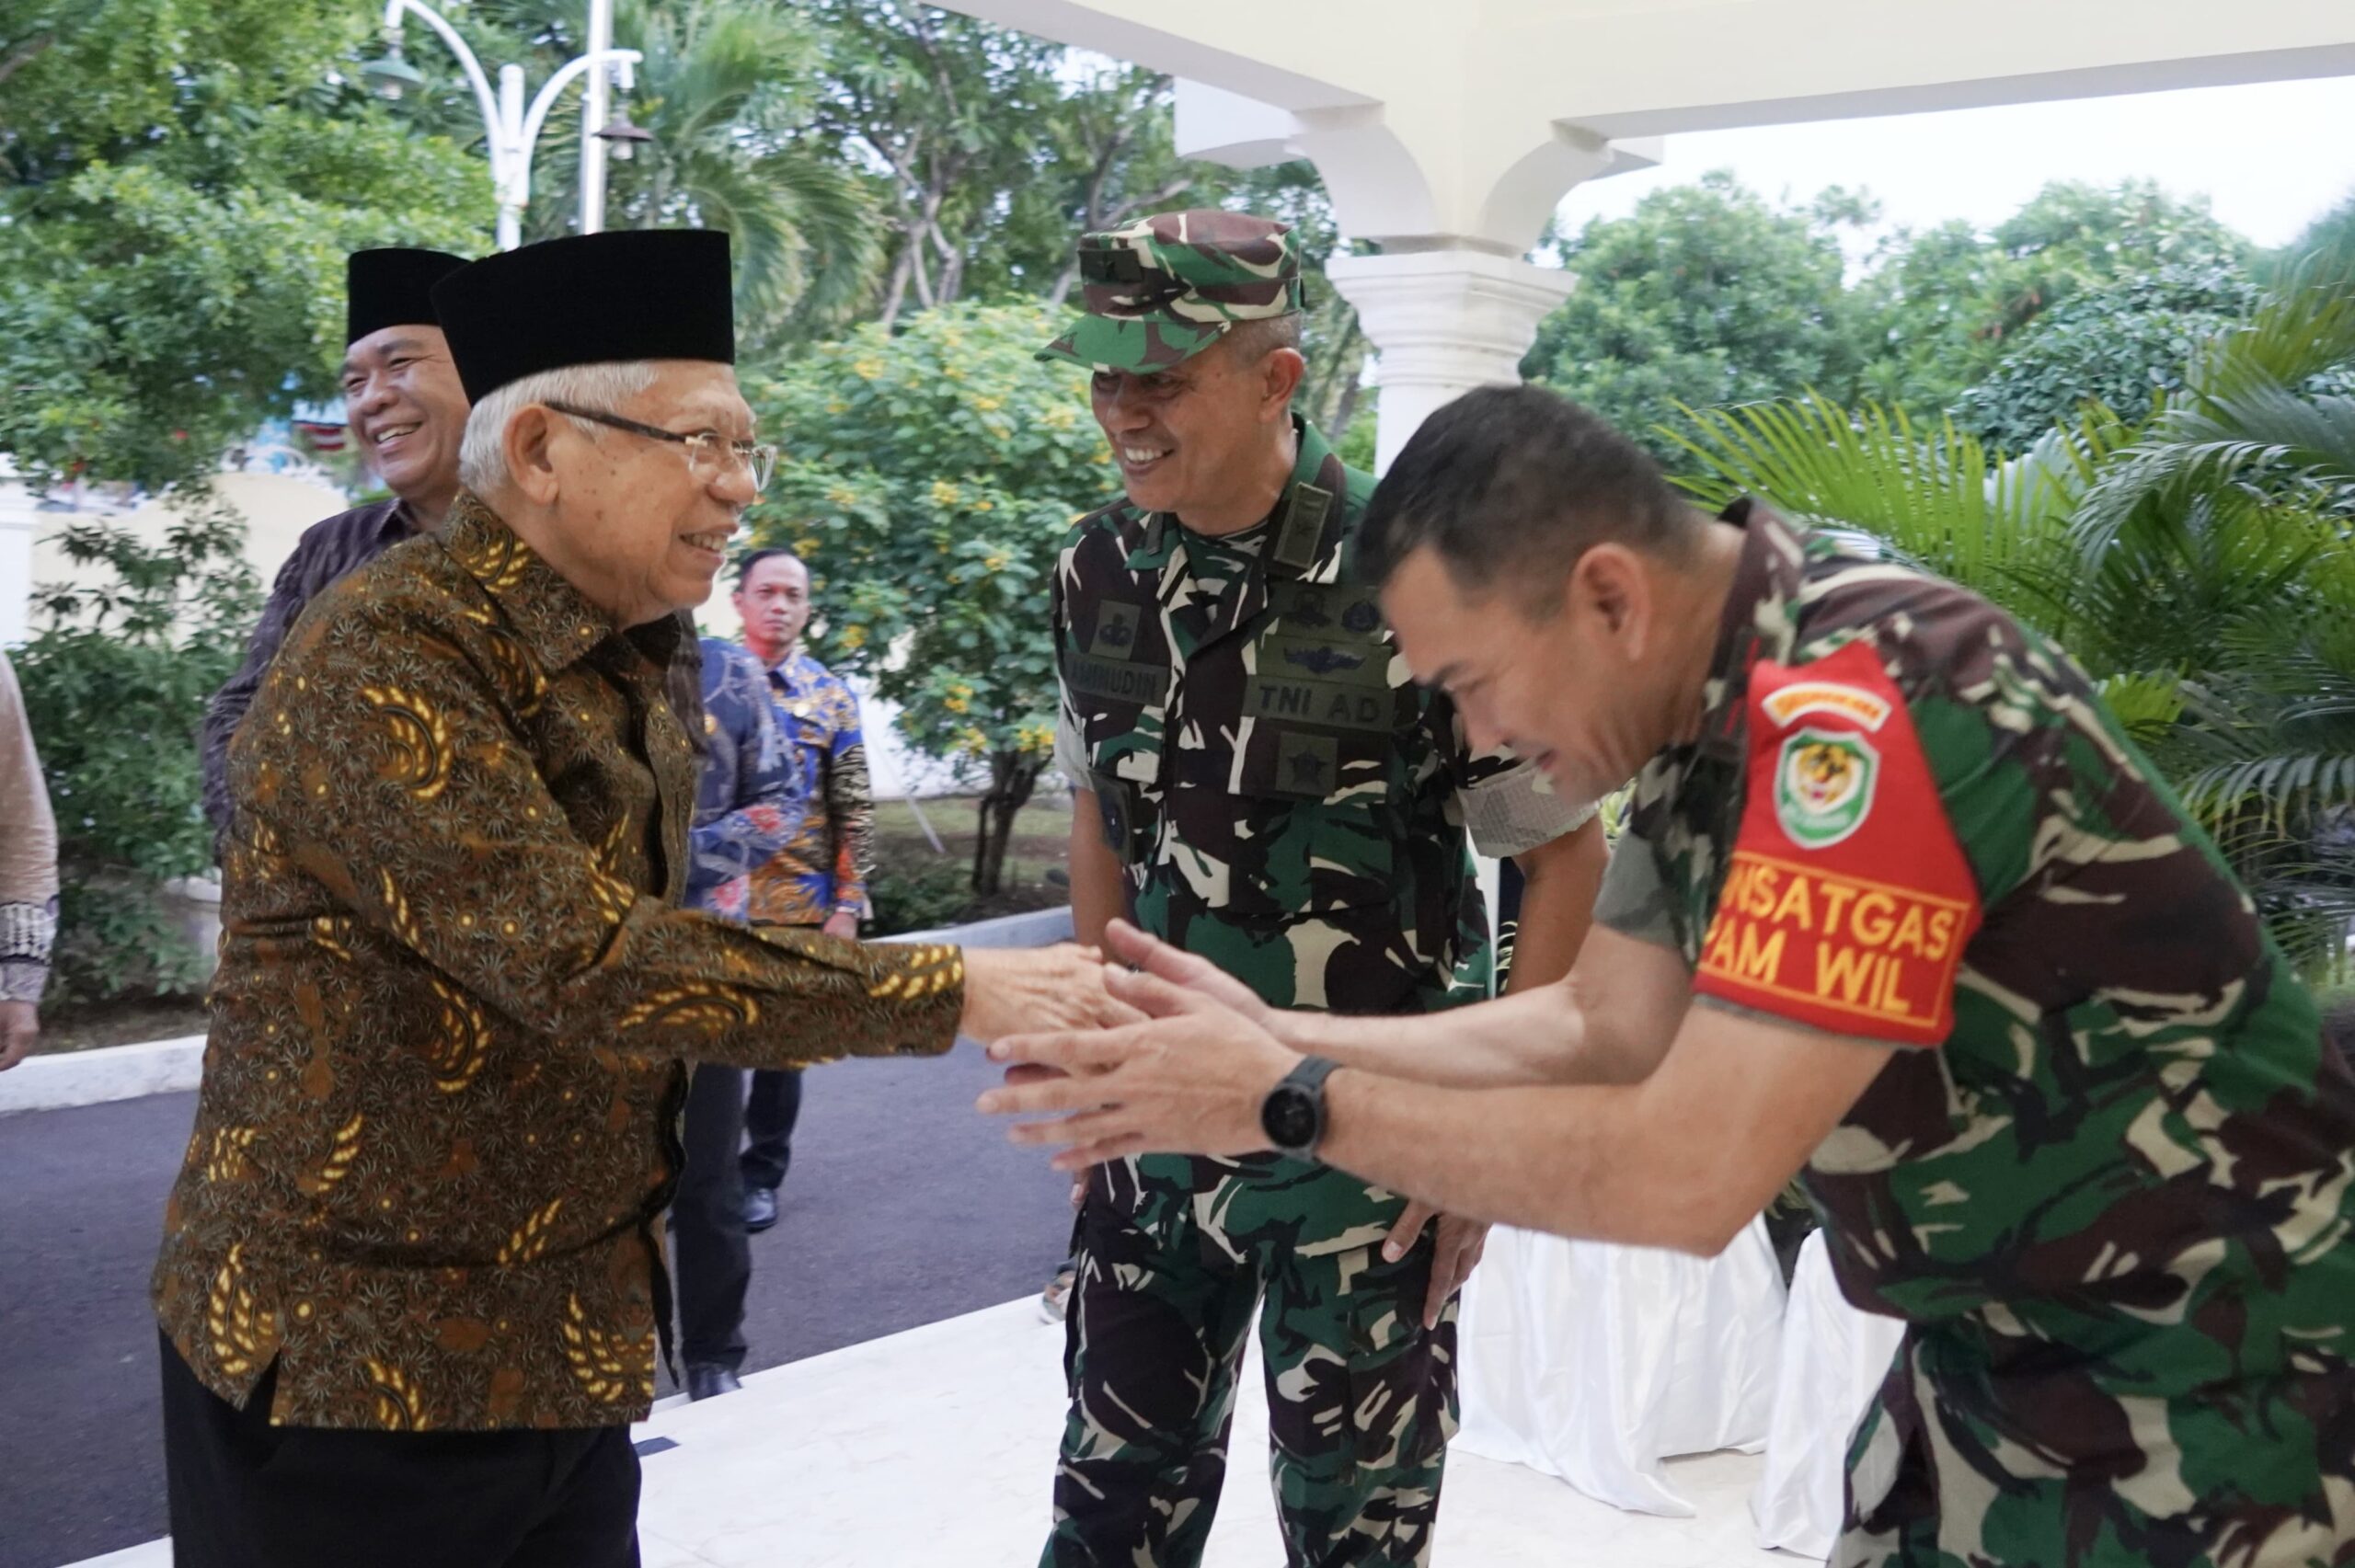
(92, 1078)
(164, 1067)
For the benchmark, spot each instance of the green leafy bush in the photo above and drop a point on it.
(931, 477)
(924, 896)
(115, 689)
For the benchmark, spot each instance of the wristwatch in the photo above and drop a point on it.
(1292, 1115)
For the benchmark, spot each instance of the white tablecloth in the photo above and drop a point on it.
(1834, 1358)
(1593, 1362)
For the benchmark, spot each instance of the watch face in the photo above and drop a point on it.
(1289, 1117)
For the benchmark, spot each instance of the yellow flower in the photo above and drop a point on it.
(854, 637)
(973, 741)
(945, 493)
(1057, 419)
(867, 370)
(955, 705)
(984, 505)
(805, 547)
(988, 405)
(836, 406)
(994, 563)
(842, 495)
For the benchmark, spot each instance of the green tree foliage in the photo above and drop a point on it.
(2121, 345)
(990, 151)
(1940, 308)
(181, 183)
(945, 112)
(1706, 295)
(930, 478)
(2200, 563)
(727, 88)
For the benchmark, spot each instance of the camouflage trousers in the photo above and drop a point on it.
(1961, 1463)
(1174, 1255)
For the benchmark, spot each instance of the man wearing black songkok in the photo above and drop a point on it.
(412, 1279)
(405, 408)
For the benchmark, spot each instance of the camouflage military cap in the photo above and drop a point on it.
(1162, 290)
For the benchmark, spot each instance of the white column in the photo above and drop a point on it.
(1443, 321)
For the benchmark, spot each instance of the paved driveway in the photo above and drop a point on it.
(904, 1207)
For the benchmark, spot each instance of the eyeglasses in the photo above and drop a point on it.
(710, 456)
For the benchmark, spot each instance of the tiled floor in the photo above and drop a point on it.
(934, 1448)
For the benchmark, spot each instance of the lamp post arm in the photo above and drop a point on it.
(485, 100)
(557, 83)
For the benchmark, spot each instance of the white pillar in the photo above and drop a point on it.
(1443, 321)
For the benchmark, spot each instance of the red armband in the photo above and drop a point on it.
(1847, 901)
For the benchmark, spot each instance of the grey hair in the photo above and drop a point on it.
(482, 455)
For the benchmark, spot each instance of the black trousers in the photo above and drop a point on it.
(246, 1494)
(770, 1111)
(714, 1256)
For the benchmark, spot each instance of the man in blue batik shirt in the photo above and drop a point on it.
(818, 880)
(749, 804)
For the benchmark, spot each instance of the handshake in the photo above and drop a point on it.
(1157, 1050)
(1022, 990)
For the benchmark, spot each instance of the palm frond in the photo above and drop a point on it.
(1936, 497)
(2247, 412)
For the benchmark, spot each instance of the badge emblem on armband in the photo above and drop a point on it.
(1823, 787)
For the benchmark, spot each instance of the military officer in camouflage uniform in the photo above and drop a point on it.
(1899, 910)
(1260, 784)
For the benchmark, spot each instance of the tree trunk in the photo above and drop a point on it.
(897, 295)
(1012, 777)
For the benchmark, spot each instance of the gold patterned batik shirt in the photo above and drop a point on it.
(437, 1120)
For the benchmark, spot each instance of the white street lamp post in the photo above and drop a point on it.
(512, 128)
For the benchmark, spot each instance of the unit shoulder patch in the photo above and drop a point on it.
(1847, 900)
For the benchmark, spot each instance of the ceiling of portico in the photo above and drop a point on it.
(1624, 68)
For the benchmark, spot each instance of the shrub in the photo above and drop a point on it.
(115, 689)
(923, 897)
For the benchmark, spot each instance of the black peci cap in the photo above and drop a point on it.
(589, 300)
(392, 287)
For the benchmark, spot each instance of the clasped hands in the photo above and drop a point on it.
(1161, 1052)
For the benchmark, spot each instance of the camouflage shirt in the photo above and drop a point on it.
(2112, 1183)
(1307, 830)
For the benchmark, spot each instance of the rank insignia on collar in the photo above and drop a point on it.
(1303, 528)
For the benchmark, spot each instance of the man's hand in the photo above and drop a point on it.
(1011, 990)
(841, 924)
(19, 1027)
(1125, 944)
(1187, 1079)
(1456, 1252)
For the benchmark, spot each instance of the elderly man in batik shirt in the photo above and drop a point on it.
(412, 1276)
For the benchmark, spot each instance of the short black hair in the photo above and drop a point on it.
(754, 558)
(1512, 483)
